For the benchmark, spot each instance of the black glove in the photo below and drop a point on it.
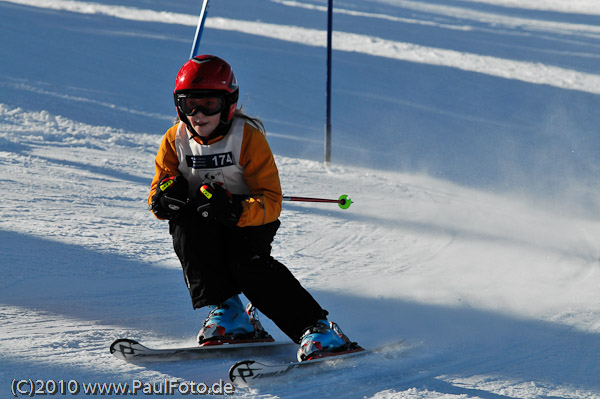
(171, 196)
(214, 202)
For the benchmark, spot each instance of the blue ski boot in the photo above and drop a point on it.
(325, 338)
(230, 323)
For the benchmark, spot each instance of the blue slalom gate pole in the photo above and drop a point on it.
(328, 88)
(199, 29)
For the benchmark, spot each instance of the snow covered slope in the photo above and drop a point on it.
(470, 151)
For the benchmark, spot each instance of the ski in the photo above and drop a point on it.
(245, 372)
(131, 350)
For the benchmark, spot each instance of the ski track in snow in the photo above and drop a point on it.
(510, 69)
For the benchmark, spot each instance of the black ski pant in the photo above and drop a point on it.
(220, 261)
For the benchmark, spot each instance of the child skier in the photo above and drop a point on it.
(217, 183)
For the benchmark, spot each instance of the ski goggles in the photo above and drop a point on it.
(191, 104)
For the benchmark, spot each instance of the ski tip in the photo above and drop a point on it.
(241, 372)
(116, 345)
(126, 349)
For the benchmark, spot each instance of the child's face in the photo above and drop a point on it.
(204, 125)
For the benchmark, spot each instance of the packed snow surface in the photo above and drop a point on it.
(465, 132)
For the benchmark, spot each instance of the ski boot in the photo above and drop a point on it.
(228, 323)
(323, 339)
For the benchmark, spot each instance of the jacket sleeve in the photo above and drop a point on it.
(262, 177)
(166, 161)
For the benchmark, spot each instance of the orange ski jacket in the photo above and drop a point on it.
(241, 161)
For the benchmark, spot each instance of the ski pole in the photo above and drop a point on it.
(344, 202)
(199, 29)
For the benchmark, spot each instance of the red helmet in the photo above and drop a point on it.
(207, 75)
